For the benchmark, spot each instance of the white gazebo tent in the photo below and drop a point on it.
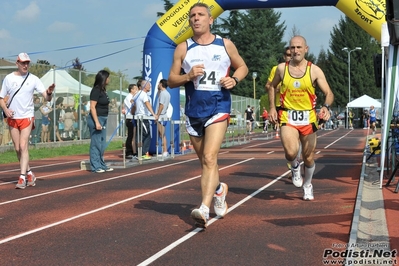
(364, 101)
(65, 84)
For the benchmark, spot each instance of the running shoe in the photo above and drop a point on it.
(31, 179)
(21, 183)
(220, 204)
(109, 169)
(100, 171)
(296, 176)
(165, 154)
(200, 218)
(308, 192)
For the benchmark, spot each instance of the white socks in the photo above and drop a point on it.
(205, 209)
(308, 175)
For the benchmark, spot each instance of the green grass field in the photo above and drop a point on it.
(36, 154)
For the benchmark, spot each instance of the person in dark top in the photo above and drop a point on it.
(97, 122)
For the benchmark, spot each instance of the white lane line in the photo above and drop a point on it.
(40, 166)
(44, 176)
(94, 182)
(197, 230)
(8, 239)
(332, 143)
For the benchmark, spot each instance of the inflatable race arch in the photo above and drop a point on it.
(173, 28)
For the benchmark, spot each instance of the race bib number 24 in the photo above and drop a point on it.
(210, 81)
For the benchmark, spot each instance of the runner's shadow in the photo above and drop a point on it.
(181, 210)
(265, 194)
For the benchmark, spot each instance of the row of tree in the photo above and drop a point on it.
(258, 35)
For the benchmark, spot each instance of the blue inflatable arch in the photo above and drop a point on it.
(173, 28)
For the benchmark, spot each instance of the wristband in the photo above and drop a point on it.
(326, 105)
(236, 80)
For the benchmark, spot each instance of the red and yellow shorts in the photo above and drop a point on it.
(305, 121)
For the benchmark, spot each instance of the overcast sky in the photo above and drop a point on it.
(111, 33)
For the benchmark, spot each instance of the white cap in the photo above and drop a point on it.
(23, 57)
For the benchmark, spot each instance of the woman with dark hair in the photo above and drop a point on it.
(97, 122)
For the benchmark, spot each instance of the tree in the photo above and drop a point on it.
(349, 34)
(78, 72)
(258, 36)
(40, 68)
(167, 5)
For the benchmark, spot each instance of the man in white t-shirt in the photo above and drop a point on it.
(143, 107)
(128, 111)
(162, 108)
(19, 86)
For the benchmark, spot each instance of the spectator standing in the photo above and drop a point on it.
(57, 124)
(249, 118)
(83, 130)
(365, 118)
(351, 116)
(45, 110)
(265, 117)
(128, 110)
(19, 109)
(37, 132)
(162, 108)
(97, 122)
(144, 108)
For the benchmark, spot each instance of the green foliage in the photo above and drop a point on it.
(258, 36)
(335, 64)
(38, 154)
(167, 5)
(40, 68)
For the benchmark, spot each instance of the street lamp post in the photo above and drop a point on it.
(346, 49)
(254, 75)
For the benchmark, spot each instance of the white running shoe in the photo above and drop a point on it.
(308, 192)
(200, 218)
(296, 176)
(220, 204)
(31, 182)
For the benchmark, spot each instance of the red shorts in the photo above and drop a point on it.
(21, 123)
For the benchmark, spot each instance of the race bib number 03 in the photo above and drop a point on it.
(298, 118)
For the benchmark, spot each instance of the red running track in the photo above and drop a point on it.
(140, 215)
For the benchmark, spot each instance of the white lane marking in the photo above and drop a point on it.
(40, 166)
(94, 182)
(44, 176)
(8, 239)
(196, 230)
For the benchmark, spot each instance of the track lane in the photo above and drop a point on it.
(139, 224)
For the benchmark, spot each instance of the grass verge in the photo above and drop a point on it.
(37, 154)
